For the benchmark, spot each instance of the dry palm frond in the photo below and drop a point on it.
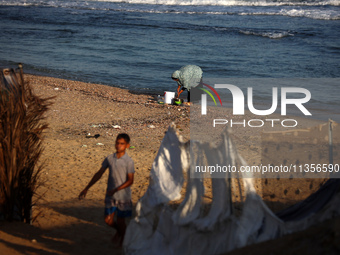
(21, 132)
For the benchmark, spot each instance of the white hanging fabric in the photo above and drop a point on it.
(159, 229)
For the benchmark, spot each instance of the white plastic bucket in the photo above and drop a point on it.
(168, 96)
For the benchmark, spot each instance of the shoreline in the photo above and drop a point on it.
(318, 114)
(142, 91)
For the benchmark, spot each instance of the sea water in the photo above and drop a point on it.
(137, 44)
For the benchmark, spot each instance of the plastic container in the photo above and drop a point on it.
(168, 96)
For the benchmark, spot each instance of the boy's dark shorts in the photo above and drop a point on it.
(122, 208)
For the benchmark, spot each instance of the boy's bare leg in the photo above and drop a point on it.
(109, 220)
(121, 228)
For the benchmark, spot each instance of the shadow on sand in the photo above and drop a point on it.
(68, 227)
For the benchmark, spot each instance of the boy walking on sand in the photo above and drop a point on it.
(118, 193)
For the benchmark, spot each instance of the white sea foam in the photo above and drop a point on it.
(269, 34)
(308, 13)
(312, 13)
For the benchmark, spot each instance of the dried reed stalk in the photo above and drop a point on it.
(21, 135)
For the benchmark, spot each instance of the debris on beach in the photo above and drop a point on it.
(92, 136)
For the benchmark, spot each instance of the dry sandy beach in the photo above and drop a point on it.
(65, 225)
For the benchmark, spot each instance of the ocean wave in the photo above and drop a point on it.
(228, 2)
(307, 13)
(65, 3)
(209, 7)
(313, 14)
(268, 34)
